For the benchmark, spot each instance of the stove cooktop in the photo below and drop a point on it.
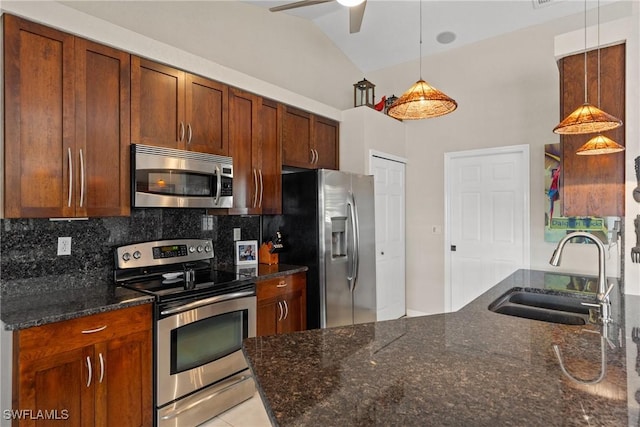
(159, 268)
(171, 285)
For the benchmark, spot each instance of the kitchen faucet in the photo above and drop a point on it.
(602, 296)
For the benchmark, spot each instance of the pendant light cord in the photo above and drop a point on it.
(598, 54)
(420, 57)
(585, 52)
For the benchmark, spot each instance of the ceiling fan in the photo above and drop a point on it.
(356, 10)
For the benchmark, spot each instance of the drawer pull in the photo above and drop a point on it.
(93, 331)
(282, 284)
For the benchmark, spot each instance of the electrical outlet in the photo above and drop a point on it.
(64, 245)
(237, 234)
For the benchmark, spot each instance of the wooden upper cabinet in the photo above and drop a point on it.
(296, 138)
(309, 141)
(243, 108)
(157, 104)
(102, 129)
(593, 185)
(270, 131)
(174, 109)
(66, 124)
(325, 141)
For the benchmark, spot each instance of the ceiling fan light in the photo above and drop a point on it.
(587, 119)
(599, 145)
(350, 3)
(421, 101)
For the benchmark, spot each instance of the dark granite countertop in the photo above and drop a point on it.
(468, 368)
(27, 310)
(37, 302)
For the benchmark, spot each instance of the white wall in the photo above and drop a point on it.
(364, 129)
(507, 89)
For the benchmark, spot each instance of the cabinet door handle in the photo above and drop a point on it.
(281, 311)
(282, 284)
(190, 133)
(312, 155)
(255, 186)
(316, 151)
(261, 188)
(82, 178)
(101, 367)
(93, 331)
(286, 309)
(70, 176)
(90, 371)
(181, 138)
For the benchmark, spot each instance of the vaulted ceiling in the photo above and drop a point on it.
(390, 31)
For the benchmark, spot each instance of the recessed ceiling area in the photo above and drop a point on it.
(390, 29)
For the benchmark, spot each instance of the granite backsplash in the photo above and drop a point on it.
(28, 246)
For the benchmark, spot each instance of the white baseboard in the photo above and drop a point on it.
(416, 313)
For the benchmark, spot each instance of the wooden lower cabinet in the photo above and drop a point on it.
(90, 371)
(282, 304)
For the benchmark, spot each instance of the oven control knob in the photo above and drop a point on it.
(126, 256)
(207, 248)
(192, 249)
(137, 254)
(199, 248)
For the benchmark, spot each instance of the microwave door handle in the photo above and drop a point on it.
(218, 175)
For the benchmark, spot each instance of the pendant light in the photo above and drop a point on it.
(599, 144)
(587, 118)
(421, 101)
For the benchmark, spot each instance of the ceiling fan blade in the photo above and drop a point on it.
(356, 13)
(297, 4)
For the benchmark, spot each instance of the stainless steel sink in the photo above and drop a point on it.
(537, 304)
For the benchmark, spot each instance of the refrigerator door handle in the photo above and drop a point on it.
(355, 255)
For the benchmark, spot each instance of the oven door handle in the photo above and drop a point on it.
(207, 301)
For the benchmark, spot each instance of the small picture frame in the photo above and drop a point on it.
(246, 252)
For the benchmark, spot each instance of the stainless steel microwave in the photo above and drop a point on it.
(169, 178)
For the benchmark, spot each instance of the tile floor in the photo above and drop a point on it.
(247, 414)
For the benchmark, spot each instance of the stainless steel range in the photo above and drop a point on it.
(202, 316)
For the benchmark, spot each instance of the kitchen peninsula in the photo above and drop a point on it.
(472, 367)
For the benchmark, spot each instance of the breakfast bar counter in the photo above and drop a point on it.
(472, 367)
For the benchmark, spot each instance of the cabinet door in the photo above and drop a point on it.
(267, 317)
(294, 316)
(157, 104)
(206, 116)
(63, 383)
(296, 138)
(38, 120)
(325, 142)
(270, 173)
(124, 390)
(593, 185)
(102, 130)
(294, 303)
(243, 134)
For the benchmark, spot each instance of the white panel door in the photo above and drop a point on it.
(487, 220)
(389, 184)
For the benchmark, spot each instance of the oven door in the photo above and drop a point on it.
(201, 346)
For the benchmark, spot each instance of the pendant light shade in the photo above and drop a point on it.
(599, 145)
(587, 119)
(422, 101)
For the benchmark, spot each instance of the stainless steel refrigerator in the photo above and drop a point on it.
(328, 224)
